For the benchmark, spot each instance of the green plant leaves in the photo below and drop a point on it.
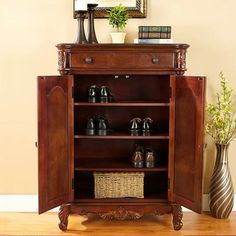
(118, 17)
(222, 123)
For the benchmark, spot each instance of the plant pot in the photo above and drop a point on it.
(221, 192)
(118, 37)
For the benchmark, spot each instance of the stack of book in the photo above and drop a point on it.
(154, 34)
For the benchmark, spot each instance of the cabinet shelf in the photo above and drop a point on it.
(122, 136)
(84, 198)
(124, 104)
(111, 164)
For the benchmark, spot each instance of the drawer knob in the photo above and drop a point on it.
(155, 60)
(88, 60)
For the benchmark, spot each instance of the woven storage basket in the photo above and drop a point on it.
(118, 184)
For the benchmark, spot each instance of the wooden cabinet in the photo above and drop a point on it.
(147, 81)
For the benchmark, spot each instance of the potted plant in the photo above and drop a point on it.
(118, 17)
(221, 126)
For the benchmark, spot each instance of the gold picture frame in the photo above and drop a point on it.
(136, 8)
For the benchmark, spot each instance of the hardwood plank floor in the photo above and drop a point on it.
(46, 224)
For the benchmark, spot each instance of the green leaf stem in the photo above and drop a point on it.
(222, 123)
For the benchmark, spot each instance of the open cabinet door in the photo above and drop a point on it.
(187, 107)
(54, 134)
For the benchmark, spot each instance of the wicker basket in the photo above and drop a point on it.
(118, 184)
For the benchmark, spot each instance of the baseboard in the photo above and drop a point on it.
(29, 203)
(19, 203)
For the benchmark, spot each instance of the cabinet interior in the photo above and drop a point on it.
(135, 96)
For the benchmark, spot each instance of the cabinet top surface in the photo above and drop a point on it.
(120, 46)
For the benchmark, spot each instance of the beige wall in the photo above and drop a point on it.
(29, 31)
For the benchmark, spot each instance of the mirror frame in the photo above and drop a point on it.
(139, 10)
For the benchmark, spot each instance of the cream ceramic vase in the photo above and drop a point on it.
(118, 37)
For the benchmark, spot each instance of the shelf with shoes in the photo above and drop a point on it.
(122, 90)
(122, 136)
(112, 164)
(136, 123)
(124, 104)
(122, 155)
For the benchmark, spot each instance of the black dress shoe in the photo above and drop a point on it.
(138, 157)
(93, 94)
(105, 95)
(135, 126)
(150, 158)
(147, 126)
(103, 127)
(91, 126)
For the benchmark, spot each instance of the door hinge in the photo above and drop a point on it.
(170, 92)
(72, 91)
(73, 183)
(168, 183)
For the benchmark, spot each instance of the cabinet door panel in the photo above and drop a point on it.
(54, 141)
(188, 124)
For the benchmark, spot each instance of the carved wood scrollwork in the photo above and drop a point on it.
(63, 214)
(62, 62)
(181, 62)
(177, 216)
(121, 214)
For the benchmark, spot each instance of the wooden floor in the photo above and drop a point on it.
(46, 224)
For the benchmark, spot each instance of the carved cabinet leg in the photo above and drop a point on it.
(63, 214)
(177, 216)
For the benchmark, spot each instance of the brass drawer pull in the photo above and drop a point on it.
(155, 60)
(88, 60)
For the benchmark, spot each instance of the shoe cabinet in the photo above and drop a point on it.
(146, 81)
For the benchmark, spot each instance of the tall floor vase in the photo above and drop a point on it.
(221, 192)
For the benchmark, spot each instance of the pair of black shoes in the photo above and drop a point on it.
(141, 127)
(98, 126)
(143, 158)
(102, 94)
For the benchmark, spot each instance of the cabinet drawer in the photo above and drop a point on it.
(121, 60)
